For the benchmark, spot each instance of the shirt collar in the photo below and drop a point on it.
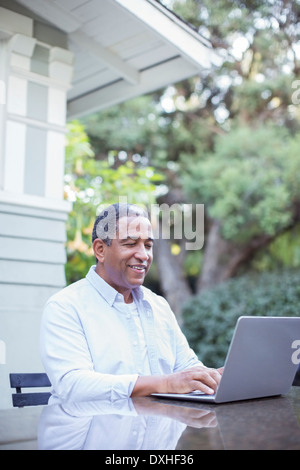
(105, 290)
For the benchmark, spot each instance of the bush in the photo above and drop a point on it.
(209, 318)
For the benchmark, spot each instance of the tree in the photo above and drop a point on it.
(250, 186)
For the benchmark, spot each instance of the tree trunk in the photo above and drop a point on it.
(215, 249)
(222, 259)
(173, 284)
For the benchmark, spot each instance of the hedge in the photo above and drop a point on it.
(209, 318)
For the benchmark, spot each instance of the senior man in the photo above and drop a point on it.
(108, 336)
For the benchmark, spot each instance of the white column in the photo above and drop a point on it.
(19, 50)
(3, 92)
(32, 115)
(60, 71)
(34, 79)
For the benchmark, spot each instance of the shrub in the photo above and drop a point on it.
(209, 318)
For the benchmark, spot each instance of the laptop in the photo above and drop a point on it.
(259, 361)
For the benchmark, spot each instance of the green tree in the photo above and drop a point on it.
(250, 186)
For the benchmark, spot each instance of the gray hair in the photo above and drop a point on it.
(106, 224)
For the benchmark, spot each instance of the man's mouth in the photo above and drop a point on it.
(138, 267)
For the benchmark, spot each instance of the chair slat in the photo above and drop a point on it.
(30, 399)
(29, 380)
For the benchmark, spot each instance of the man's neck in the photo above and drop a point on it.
(127, 293)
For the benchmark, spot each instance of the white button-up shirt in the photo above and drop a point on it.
(90, 346)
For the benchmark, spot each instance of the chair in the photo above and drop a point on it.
(296, 382)
(19, 381)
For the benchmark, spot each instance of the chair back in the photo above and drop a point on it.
(29, 380)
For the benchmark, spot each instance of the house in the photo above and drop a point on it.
(61, 59)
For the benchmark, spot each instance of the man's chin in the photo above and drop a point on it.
(136, 282)
(136, 276)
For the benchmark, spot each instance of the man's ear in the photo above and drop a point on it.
(99, 249)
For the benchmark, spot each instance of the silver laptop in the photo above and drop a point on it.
(259, 361)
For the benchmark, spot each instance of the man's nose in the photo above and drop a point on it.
(142, 253)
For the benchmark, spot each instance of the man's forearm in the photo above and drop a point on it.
(145, 385)
(196, 378)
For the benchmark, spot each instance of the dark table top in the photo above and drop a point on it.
(159, 424)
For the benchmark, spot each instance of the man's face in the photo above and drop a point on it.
(126, 261)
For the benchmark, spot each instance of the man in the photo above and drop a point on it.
(107, 336)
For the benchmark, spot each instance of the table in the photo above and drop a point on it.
(159, 424)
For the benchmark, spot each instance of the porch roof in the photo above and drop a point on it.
(122, 48)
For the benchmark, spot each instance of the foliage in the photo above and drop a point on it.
(209, 318)
(250, 183)
(90, 185)
(283, 252)
(130, 130)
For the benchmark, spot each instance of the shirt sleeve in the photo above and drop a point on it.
(67, 361)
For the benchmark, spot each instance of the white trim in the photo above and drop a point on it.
(54, 173)
(22, 45)
(37, 202)
(56, 114)
(3, 106)
(151, 79)
(12, 22)
(14, 164)
(32, 273)
(40, 79)
(126, 71)
(17, 96)
(171, 30)
(52, 12)
(58, 54)
(35, 123)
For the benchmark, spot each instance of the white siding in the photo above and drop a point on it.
(32, 259)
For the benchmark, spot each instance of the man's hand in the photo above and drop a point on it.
(196, 378)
